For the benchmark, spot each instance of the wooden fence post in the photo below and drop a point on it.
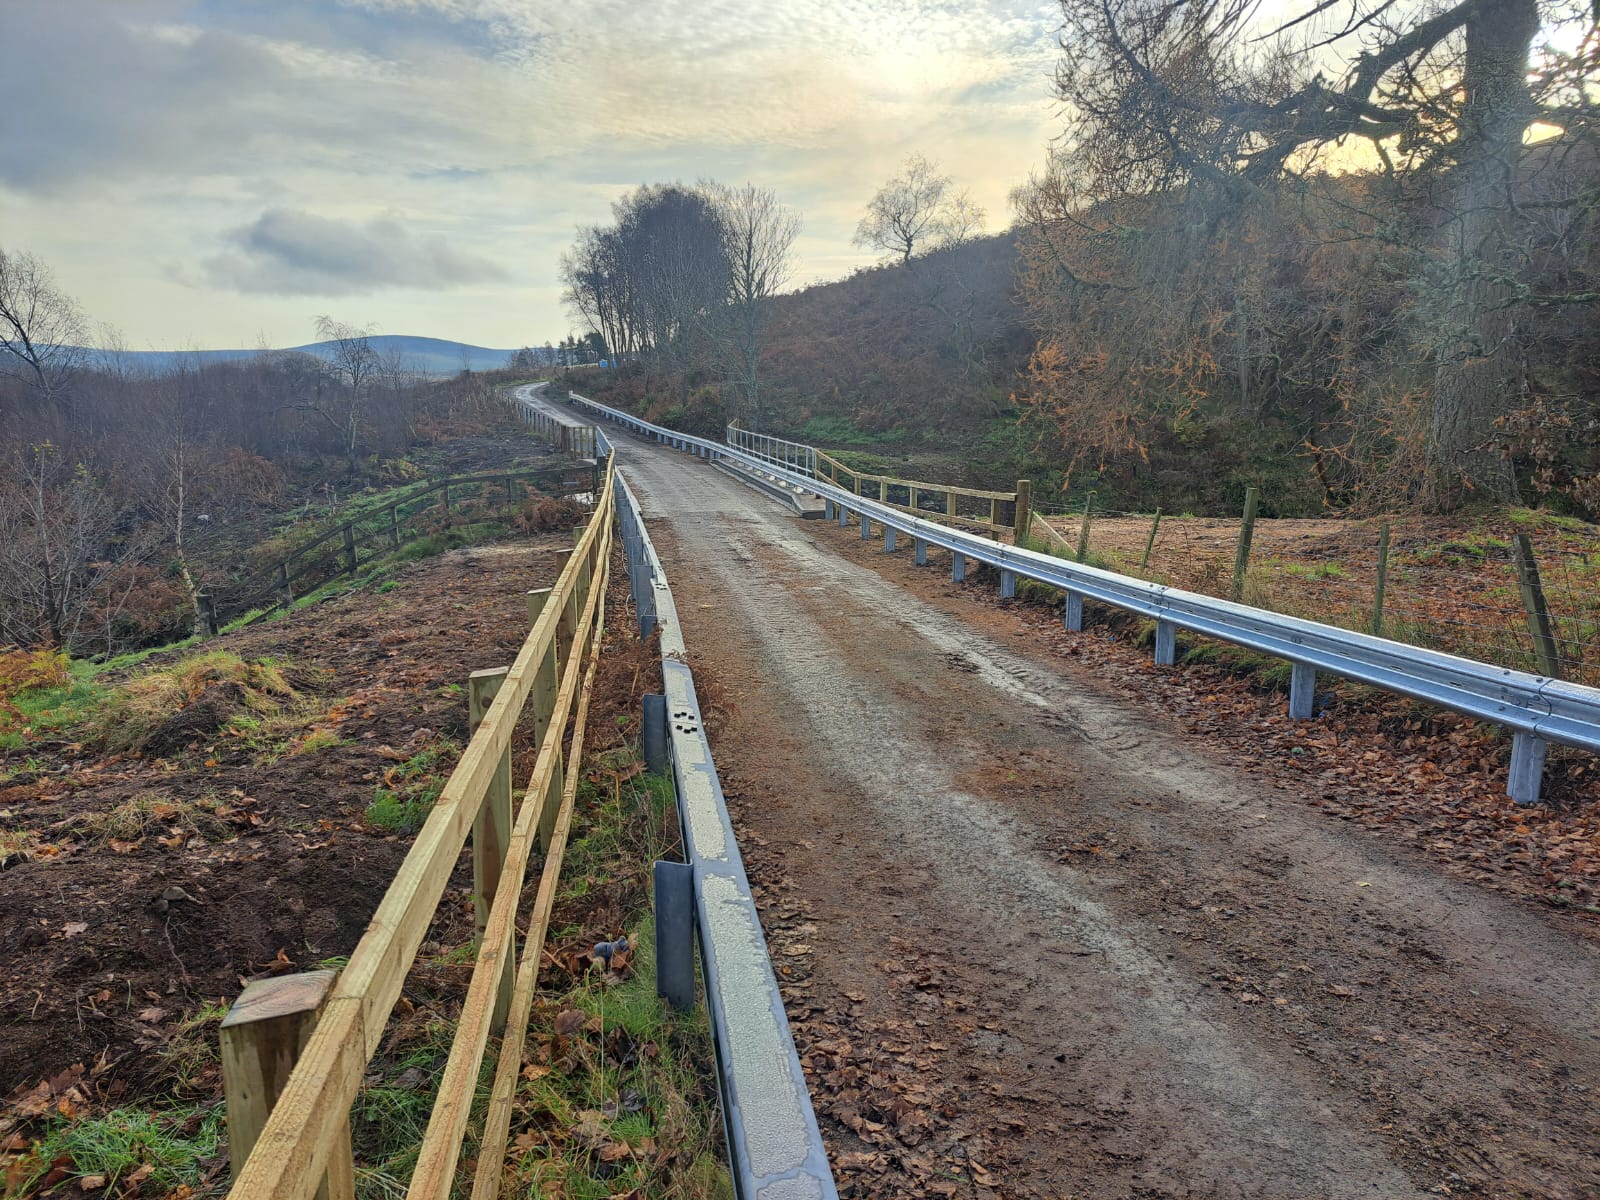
(394, 527)
(491, 835)
(1150, 542)
(206, 613)
(262, 1037)
(542, 698)
(1083, 529)
(1533, 603)
(949, 504)
(1383, 580)
(1021, 519)
(1241, 557)
(349, 551)
(285, 593)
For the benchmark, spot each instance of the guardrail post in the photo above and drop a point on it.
(958, 566)
(262, 1037)
(1023, 515)
(655, 734)
(1008, 584)
(1166, 643)
(827, 509)
(1527, 768)
(919, 548)
(844, 515)
(1072, 614)
(674, 896)
(888, 539)
(1302, 691)
(866, 527)
(1241, 557)
(491, 835)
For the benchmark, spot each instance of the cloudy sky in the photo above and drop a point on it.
(215, 173)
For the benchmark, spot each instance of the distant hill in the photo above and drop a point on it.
(435, 356)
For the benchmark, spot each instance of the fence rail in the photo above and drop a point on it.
(391, 526)
(1536, 708)
(306, 1136)
(996, 512)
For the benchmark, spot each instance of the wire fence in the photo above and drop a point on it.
(1429, 582)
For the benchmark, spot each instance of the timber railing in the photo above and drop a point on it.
(385, 528)
(774, 1145)
(295, 1049)
(1537, 709)
(969, 508)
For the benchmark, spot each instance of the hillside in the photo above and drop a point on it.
(919, 352)
(431, 356)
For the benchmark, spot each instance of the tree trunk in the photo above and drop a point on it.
(1480, 373)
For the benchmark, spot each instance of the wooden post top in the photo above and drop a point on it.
(283, 996)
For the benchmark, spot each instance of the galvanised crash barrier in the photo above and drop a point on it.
(1537, 709)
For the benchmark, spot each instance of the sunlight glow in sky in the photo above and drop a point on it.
(211, 173)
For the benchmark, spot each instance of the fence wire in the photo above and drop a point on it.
(1444, 589)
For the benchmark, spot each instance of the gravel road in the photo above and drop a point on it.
(1112, 963)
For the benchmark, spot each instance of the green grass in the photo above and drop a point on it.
(842, 431)
(405, 798)
(646, 1080)
(52, 710)
(118, 1143)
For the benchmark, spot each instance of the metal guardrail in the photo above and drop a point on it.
(1537, 709)
(774, 1146)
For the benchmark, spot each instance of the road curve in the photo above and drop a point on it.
(1133, 970)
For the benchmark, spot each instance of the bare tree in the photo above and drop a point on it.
(906, 213)
(1197, 96)
(57, 549)
(352, 362)
(42, 329)
(759, 235)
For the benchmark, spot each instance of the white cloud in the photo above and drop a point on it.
(289, 252)
(215, 132)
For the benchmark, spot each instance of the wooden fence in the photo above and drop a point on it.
(981, 509)
(290, 1137)
(385, 529)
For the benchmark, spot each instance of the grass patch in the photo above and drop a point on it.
(842, 431)
(405, 798)
(160, 1151)
(626, 1103)
(213, 688)
(43, 696)
(138, 816)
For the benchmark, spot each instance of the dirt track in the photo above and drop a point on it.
(1059, 948)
